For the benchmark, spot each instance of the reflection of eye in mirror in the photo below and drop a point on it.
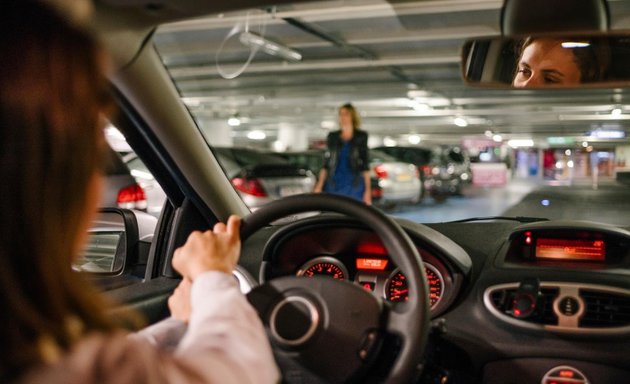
(547, 61)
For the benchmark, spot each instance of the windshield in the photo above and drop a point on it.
(270, 84)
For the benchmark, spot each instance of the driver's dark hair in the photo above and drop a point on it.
(593, 60)
(53, 93)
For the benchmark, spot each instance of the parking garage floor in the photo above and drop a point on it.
(527, 197)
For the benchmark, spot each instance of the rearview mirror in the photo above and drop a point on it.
(556, 61)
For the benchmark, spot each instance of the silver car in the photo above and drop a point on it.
(393, 181)
(260, 177)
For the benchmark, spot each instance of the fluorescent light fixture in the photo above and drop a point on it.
(389, 142)
(575, 44)
(253, 40)
(616, 112)
(560, 140)
(256, 135)
(418, 105)
(460, 122)
(327, 124)
(517, 143)
(497, 138)
(414, 139)
(607, 134)
(234, 121)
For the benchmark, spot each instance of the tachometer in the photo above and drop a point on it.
(397, 288)
(324, 266)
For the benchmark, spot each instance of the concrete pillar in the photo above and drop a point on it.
(291, 138)
(218, 132)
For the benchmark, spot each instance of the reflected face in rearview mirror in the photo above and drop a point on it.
(548, 61)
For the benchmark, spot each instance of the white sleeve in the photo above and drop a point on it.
(225, 339)
(165, 334)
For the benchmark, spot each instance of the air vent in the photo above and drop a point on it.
(605, 309)
(585, 309)
(502, 300)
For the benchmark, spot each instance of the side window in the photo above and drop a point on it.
(128, 182)
(119, 239)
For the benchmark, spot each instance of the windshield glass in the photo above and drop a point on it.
(267, 86)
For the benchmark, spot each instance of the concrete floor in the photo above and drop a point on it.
(607, 202)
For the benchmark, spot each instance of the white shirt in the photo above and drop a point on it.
(224, 342)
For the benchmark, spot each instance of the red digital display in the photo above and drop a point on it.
(571, 249)
(374, 264)
(371, 249)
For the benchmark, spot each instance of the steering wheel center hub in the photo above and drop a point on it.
(293, 321)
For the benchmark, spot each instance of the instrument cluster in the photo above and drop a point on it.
(377, 275)
(358, 256)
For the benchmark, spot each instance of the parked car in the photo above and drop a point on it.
(153, 192)
(457, 164)
(311, 159)
(444, 170)
(122, 190)
(261, 177)
(393, 181)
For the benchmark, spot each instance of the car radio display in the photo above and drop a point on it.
(571, 249)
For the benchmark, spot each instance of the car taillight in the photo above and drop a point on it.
(132, 197)
(380, 171)
(249, 186)
(426, 170)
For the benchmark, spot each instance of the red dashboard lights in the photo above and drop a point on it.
(372, 264)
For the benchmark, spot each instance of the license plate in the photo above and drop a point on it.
(403, 177)
(291, 190)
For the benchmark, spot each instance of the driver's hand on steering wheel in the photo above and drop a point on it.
(179, 303)
(216, 250)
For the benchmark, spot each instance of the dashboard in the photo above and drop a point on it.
(505, 297)
(349, 252)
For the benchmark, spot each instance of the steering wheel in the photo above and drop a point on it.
(325, 330)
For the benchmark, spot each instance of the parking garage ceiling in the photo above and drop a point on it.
(397, 61)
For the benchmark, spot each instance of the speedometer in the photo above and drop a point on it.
(324, 266)
(397, 288)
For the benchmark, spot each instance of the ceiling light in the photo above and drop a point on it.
(575, 44)
(607, 134)
(488, 133)
(516, 143)
(327, 124)
(256, 135)
(460, 122)
(497, 138)
(389, 142)
(234, 121)
(418, 105)
(253, 40)
(414, 139)
(616, 112)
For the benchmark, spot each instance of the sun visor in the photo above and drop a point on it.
(525, 17)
